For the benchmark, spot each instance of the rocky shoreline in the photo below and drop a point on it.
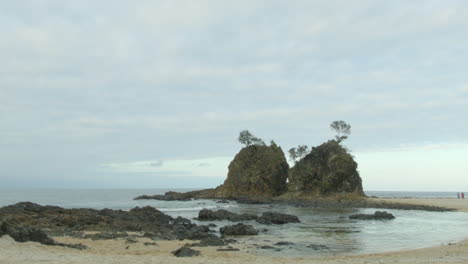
(344, 201)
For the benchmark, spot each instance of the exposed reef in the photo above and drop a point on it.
(56, 220)
(266, 218)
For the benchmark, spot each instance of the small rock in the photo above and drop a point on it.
(284, 243)
(378, 215)
(185, 252)
(227, 249)
(318, 247)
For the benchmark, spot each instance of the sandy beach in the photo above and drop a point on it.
(120, 251)
(460, 205)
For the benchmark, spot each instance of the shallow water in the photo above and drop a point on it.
(322, 232)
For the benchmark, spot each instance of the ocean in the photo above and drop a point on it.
(322, 232)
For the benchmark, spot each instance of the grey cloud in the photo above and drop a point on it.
(102, 82)
(158, 163)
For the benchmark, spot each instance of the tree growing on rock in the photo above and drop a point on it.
(298, 153)
(342, 129)
(246, 138)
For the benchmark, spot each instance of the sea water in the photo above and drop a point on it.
(322, 232)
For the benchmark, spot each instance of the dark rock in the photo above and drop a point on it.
(177, 196)
(212, 225)
(185, 252)
(192, 233)
(149, 214)
(168, 196)
(284, 243)
(106, 235)
(25, 234)
(222, 201)
(252, 200)
(150, 244)
(227, 249)
(182, 221)
(131, 240)
(75, 246)
(209, 215)
(270, 247)
(149, 220)
(328, 169)
(256, 171)
(378, 215)
(318, 247)
(238, 230)
(269, 218)
(210, 241)
(230, 240)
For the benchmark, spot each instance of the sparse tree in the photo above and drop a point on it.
(258, 141)
(302, 150)
(343, 130)
(246, 138)
(273, 143)
(292, 154)
(297, 153)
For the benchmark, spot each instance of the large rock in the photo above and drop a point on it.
(328, 169)
(256, 171)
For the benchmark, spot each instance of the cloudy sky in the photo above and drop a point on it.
(152, 94)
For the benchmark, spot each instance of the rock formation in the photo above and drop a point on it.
(256, 171)
(327, 170)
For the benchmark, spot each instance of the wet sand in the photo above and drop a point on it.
(119, 251)
(460, 205)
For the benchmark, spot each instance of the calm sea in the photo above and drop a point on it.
(323, 227)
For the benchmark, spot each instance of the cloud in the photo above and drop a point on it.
(108, 82)
(206, 167)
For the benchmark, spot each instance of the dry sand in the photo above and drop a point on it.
(119, 251)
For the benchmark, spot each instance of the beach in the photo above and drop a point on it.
(120, 251)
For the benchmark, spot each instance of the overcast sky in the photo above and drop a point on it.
(153, 94)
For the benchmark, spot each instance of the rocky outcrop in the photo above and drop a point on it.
(256, 171)
(178, 196)
(238, 230)
(327, 170)
(149, 220)
(378, 215)
(209, 215)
